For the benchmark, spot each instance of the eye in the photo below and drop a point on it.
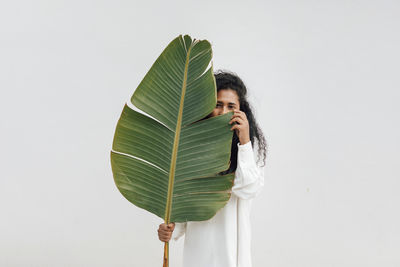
(218, 104)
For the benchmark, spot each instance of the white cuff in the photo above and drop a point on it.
(249, 178)
(246, 155)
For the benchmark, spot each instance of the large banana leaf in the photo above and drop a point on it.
(168, 162)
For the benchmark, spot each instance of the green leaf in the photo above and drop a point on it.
(168, 162)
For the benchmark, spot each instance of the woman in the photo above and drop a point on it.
(224, 240)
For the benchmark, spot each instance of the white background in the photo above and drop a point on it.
(323, 77)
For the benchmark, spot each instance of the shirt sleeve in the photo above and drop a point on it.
(179, 230)
(249, 178)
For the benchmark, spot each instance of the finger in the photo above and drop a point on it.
(235, 116)
(237, 111)
(237, 126)
(165, 231)
(164, 226)
(239, 115)
(238, 120)
(234, 119)
(164, 236)
(162, 231)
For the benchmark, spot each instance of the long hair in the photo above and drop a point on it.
(229, 80)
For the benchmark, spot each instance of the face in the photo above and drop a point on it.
(227, 100)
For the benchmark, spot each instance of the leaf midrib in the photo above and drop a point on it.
(176, 142)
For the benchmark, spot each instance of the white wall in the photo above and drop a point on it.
(324, 80)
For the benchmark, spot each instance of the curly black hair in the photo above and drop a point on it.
(229, 80)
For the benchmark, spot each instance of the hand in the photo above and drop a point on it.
(165, 231)
(241, 127)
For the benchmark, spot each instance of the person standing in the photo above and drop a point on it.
(224, 240)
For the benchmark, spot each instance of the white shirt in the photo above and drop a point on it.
(224, 240)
